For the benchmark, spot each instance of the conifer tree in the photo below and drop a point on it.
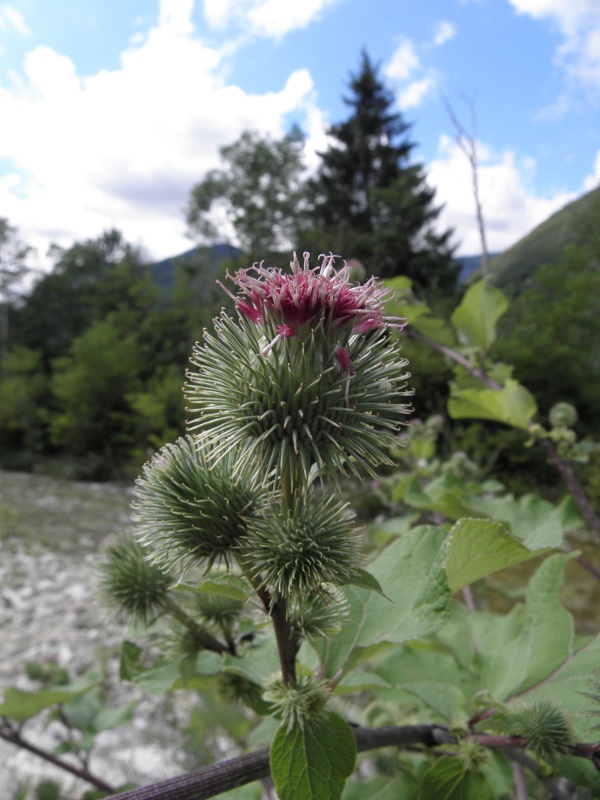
(370, 201)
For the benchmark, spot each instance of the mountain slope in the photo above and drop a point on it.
(545, 243)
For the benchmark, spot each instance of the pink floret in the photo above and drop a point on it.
(310, 295)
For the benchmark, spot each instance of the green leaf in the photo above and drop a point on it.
(20, 705)
(447, 700)
(81, 711)
(129, 664)
(411, 573)
(476, 316)
(312, 762)
(449, 780)
(567, 686)
(513, 404)
(524, 647)
(160, 678)
(381, 789)
(365, 580)
(445, 494)
(360, 681)
(480, 547)
(261, 658)
(113, 717)
(536, 522)
(582, 773)
(232, 591)
(252, 791)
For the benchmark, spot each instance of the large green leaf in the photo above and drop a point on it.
(480, 547)
(313, 760)
(20, 705)
(476, 317)
(448, 779)
(447, 700)
(513, 404)
(411, 573)
(519, 650)
(567, 685)
(533, 520)
(402, 786)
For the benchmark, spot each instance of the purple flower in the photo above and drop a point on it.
(298, 301)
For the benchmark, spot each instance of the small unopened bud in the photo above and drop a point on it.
(563, 415)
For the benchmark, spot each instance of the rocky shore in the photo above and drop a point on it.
(52, 534)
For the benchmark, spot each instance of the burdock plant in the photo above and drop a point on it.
(304, 385)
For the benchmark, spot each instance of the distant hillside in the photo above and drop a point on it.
(545, 243)
(210, 259)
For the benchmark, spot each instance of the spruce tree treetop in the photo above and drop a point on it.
(369, 153)
(370, 201)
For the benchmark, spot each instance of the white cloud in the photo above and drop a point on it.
(444, 31)
(579, 23)
(12, 17)
(276, 18)
(272, 18)
(415, 82)
(593, 181)
(415, 93)
(124, 147)
(176, 16)
(511, 209)
(404, 62)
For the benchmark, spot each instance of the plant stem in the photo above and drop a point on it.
(211, 781)
(80, 772)
(277, 610)
(203, 637)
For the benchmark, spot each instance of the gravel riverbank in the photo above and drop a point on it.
(52, 533)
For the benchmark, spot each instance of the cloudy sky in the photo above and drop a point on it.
(111, 111)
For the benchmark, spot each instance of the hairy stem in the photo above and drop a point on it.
(211, 781)
(278, 611)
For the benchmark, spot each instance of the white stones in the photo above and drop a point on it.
(49, 609)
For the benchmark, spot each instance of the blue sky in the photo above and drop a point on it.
(110, 112)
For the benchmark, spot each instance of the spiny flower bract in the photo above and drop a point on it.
(302, 702)
(545, 726)
(129, 583)
(191, 512)
(319, 615)
(310, 378)
(297, 551)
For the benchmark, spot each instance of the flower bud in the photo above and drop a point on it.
(563, 415)
(191, 512)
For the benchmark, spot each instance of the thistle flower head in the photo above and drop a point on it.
(309, 296)
(304, 701)
(189, 512)
(131, 585)
(307, 376)
(302, 550)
